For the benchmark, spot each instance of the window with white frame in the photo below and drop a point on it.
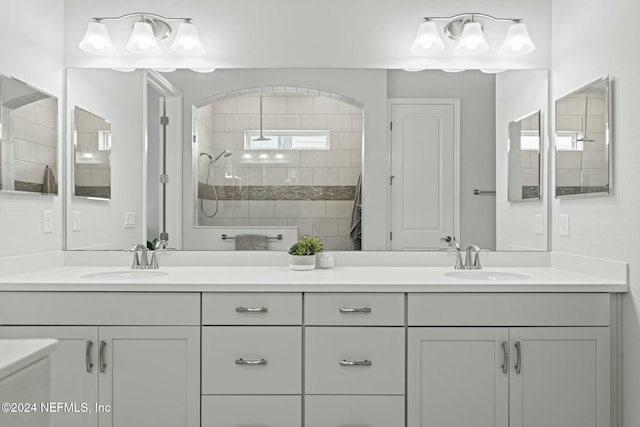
(287, 140)
(568, 141)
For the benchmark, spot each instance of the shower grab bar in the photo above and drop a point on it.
(278, 237)
(484, 193)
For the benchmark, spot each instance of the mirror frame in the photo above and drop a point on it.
(608, 142)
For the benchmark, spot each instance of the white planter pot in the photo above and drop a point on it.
(302, 262)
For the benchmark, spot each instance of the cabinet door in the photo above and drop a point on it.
(457, 377)
(562, 377)
(73, 369)
(150, 376)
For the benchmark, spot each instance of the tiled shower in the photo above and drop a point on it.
(313, 190)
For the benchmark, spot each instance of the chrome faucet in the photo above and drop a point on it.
(139, 263)
(475, 264)
(454, 246)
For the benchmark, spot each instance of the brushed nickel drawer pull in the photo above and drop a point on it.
(505, 357)
(87, 356)
(251, 309)
(518, 365)
(355, 363)
(355, 309)
(252, 362)
(103, 362)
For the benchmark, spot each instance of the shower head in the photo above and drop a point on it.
(206, 154)
(225, 153)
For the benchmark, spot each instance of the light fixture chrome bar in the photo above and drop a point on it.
(472, 16)
(138, 14)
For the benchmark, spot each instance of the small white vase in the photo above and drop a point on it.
(302, 262)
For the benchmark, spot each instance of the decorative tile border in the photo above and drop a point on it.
(569, 191)
(31, 187)
(98, 192)
(277, 192)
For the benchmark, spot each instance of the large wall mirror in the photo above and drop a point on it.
(281, 153)
(583, 142)
(92, 147)
(28, 148)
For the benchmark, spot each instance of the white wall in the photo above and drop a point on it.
(519, 93)
(366, 86)
(608, 226)
(119, 98)
(476, 92)
(309, 34)
(21, 48)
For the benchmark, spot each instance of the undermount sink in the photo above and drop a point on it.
(125, 275)
(495, 276)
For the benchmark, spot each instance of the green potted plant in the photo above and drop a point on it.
(302, 254)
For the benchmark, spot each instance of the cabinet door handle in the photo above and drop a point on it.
(87, 355)
(103, 362)
(252, 362)
(518, 364)
(251, 309)
(505, 357)
(355, 363)
(355, 309)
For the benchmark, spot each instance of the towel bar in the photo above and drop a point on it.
(278, 237)
(483, 193)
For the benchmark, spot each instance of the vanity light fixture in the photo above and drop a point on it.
(453, 70)
(203, 70)
(468, 32)
(147, 31)
(492, 70)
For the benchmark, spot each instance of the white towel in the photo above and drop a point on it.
(251, 242)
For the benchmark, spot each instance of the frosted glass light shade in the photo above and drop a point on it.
(203, 70)
(427, 40)
(517, 41)
(472, 41)
(142, 40)
(96, 40)
(187, 41)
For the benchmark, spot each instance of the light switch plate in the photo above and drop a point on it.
(129, 220)
(539, 224)
(75, 221)
(564, 225)
(47, 221)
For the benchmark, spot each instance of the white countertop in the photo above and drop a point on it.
(17, 354)
(282, 279)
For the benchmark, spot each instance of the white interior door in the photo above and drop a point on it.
(424, 169)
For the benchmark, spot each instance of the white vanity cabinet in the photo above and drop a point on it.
(507, 370)
(252, 359)
(147, 373)
(354, 359)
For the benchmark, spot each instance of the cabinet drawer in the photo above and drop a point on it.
(252, 360)
(99, 308)
(354, 309)
(508, 309)
(244, 411)
(360, 411)
(354, 360)
(251, 309)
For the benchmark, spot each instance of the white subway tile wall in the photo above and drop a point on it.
(220, 125)
(589, 166)
(95, 174)
(31, 133)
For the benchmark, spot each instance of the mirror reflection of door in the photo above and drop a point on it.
(424, 189)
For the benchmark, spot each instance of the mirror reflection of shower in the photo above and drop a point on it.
(212, 161)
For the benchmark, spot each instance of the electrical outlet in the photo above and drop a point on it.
(47, 221)
(539, 224)
(564, 225)
(75, 221)
(129, 220)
